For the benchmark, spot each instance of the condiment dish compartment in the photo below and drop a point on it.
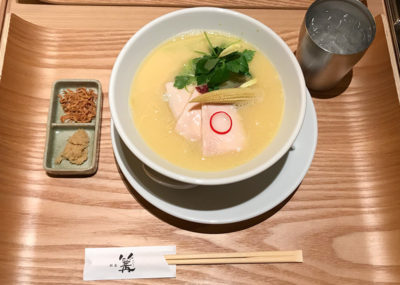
(58, 139)
(62, 85)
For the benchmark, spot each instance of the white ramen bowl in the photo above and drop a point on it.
(245, 27)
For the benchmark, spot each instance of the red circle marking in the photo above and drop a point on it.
(219, 132)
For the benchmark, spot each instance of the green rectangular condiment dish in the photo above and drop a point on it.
(58, 133)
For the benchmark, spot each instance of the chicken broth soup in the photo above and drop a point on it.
(207, 101)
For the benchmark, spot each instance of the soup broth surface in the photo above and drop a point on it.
(156, 124)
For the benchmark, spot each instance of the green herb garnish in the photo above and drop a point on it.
(183, 80)
(213, 69)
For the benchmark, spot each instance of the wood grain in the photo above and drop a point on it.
(281, 4)
(3, 5)
(255, 4)
(344, 216)
(4, 21)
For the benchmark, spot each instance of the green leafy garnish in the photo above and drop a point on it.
(210, 44)
(217, 67)
(183, 80)
(186, 76)
(248, 54)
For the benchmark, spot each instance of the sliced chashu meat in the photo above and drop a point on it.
(231, 136)
(177, 99)
(189, 122)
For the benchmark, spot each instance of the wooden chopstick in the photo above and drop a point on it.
(237, 257)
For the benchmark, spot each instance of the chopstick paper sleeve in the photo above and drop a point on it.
(128, 263)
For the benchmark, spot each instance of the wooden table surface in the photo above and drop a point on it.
(344, 216)
(277, 4)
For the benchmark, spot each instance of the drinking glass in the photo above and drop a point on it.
(333, 37)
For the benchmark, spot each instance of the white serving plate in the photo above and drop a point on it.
(228, 203)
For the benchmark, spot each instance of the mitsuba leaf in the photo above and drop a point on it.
(195, 61)
(188, 68)
(219, 75)
(182, 80)
(202, 79)
(213, 70)
(238, 65)
(248, 54)
(201, 67)
(210, 63)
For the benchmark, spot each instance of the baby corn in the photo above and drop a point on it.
(226, 96)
